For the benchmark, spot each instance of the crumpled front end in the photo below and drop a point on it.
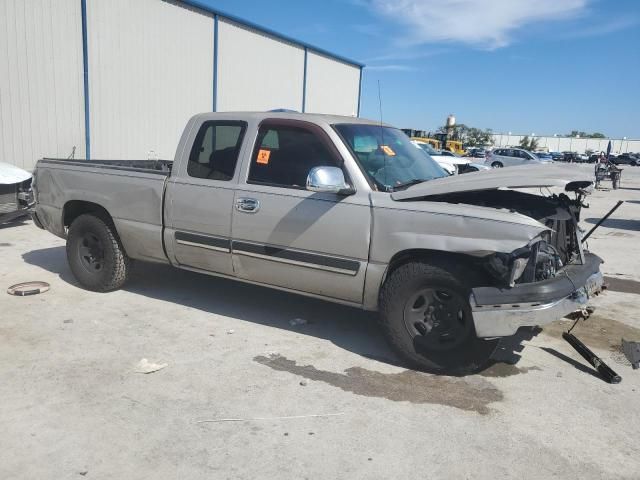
(541, 282)
(499, 312)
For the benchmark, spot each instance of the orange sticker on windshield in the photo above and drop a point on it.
(388, 150)
(263, 156)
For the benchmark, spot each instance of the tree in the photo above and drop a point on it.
(530, 144)
(469, 136)
(577, 133)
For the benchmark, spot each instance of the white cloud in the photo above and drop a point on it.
(482, 23)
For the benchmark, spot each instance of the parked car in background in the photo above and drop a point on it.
(15, 192)
(626, 159)
(449, 161)
(471, 167)
(474, 152)
(544, 156)
(571, 157)
(557, 156)
(509, 157)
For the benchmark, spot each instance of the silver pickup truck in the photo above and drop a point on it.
(339, 208)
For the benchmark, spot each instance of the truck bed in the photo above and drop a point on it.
(131, 192)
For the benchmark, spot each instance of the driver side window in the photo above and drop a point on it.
(284, 155)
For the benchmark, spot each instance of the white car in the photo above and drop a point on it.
(509, 157)
(452, 164)
(15, 192)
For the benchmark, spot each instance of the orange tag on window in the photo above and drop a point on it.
(263, 156)
(388, 150)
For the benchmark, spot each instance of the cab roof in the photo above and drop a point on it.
(317, 118)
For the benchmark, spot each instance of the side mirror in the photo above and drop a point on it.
(328, 180)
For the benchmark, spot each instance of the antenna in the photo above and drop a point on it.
(384, 155)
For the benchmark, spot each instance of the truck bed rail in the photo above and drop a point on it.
(159, 167)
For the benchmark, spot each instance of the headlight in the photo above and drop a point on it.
(509, 267)
(517, 269)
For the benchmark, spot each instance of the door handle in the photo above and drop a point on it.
(247, 205)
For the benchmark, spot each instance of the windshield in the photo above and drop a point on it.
(388, 157)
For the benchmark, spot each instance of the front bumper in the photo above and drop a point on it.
(499, 312)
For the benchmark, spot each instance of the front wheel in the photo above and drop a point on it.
(497, 165)
(426, 317)
(95, 254)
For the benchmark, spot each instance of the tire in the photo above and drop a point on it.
(95, 254)
(497, 165)
(446, 342)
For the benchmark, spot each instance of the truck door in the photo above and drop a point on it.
(199, 198)
(287, 236)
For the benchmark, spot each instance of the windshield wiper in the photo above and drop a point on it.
(408, 184)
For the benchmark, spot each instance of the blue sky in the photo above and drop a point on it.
(525, 66)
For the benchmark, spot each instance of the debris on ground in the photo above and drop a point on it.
(304, 382)
(294, 322)
(68, 320)
(632, 352)
(254, 419)
(28, 288)
(145, 366)
(231, 331)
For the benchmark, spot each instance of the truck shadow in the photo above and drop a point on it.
(346, 327)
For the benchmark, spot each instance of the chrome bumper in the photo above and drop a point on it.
(504, 320)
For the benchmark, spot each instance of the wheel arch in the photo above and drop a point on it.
(457, 263)
(74, 208)
(454, 262)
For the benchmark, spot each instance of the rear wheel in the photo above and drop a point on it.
(95, 254)
(426, 317)
(497, 165)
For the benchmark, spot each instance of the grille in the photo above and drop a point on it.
(8, 198)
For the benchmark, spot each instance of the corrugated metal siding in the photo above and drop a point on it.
(562, 144)
(257, 72)
(150, 69)
(41, 89)
(332, 86)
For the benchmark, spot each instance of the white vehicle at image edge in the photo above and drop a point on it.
(15, 192)
(510, 157)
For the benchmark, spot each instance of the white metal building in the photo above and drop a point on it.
(120, 78)
(570, 144)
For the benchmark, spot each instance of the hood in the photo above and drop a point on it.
(526, 176)
(10, 174)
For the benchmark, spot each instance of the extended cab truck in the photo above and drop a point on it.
(342, 209)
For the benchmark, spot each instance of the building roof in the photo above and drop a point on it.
(200, 5)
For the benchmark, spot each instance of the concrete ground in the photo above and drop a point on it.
(247, 395)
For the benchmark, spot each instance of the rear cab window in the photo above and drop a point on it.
(215, 150)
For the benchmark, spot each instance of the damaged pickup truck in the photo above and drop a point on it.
(342, 209)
